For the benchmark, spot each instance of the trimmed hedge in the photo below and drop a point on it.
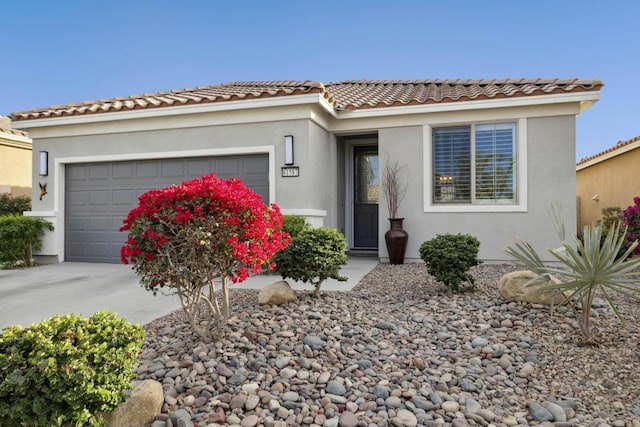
(20, 237)
(449, 257)
(10, 205)
(67, 370)
(314, 255)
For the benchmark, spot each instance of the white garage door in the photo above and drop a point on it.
(98, 196)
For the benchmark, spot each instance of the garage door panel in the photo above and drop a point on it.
(100, 249)
(75, 223)
(123, 171)
(99, 172)
(173, 168)
(198, 168)
(99, 196)
(228, 168)
(100, 223)
(146, 169)
(77, 198)
(78, 173)
(123, 197)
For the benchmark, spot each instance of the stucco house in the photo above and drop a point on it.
(15, 160)
(485, 157)
(607, 179)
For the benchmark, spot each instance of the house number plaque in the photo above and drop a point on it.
(290, 171)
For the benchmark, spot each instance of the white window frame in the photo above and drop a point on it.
(520, 174)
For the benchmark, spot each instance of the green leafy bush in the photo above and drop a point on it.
(610, 217)
(20, 237)
(293, 224)
(67, 370)
(449, 257)
(313, 256)
(592, 266)
(10, 205)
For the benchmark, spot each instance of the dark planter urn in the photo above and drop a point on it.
(396, 239)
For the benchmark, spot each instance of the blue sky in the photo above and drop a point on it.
(58, 52)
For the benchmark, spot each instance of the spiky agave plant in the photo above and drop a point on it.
(592, 267)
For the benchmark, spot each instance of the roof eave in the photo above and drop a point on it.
(608, 155)
(584, 99)
(281, 101)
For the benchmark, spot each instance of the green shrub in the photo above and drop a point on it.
(293, 224)
(20, 236)
(67, 370)
(14, 205)
(313, 256)
(449, 257)
(610, 217)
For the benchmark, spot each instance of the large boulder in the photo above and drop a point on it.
(516, 286)
(276, 293)
(140, 408)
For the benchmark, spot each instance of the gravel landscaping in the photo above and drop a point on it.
(398, 350)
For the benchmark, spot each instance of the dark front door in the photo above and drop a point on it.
(365, 196)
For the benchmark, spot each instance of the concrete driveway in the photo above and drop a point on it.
(31, 295)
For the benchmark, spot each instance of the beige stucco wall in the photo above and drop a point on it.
(615, 181)
(15, 168)
(550, 179)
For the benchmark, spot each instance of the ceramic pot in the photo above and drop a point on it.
(396, 239)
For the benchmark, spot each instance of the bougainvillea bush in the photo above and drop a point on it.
(192, 237)
(631, 217)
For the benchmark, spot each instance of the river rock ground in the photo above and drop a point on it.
(398, 350)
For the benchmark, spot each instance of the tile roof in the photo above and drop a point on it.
(345, 95)
(14, 132)
(618, 146)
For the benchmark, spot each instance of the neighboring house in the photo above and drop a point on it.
(608, 179)
(485, 157)
(15, 160)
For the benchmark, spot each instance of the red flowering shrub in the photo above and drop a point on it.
(187, 237)
(631, 217)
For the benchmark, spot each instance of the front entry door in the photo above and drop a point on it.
(365, 196)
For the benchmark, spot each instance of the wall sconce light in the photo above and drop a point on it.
(44, 163)
(288, 149)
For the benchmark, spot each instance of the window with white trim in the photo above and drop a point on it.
(475, 164)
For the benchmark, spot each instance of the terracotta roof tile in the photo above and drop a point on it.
(616, 147)
(345, 95)
(13, 132)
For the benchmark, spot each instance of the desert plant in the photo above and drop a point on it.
(449, 258)
(293, 224)
(10, 205)
(591, 265)
(631, 217)
(394, 189)
(188, 237)
(67, 370)
(20, 237)
(313, 256)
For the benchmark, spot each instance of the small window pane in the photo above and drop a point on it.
(495, 163)
(452, 165)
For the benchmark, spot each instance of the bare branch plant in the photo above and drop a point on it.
(394, 189)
